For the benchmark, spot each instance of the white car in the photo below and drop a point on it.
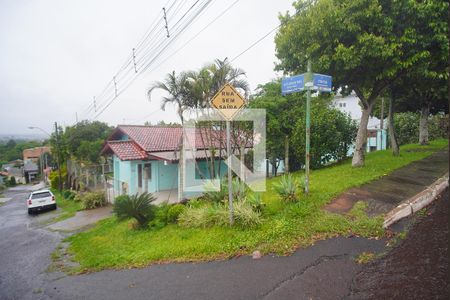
(40, 200)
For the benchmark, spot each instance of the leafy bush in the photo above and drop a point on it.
(333, 134)
(218, 215)
(92, 200)
(174, 212)
(2, 187)
(54, 178)
(121, 197)
(203, 216)
(407, 127)
(255, 201)
(245, 216)
(12, 181)
(287, 188)
(215, 196)
(195, 203)
(239, 189)
(68, 194)
(161, 212)
(137, 206)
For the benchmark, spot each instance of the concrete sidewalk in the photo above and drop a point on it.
(82, 219)
(386, 193)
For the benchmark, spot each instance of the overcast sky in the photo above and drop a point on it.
(56, 55)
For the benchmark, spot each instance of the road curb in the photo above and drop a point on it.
(417, 202)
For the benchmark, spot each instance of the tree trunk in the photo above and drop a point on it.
(361, 138)
(393, 138)
(286, 154)
(423, 126)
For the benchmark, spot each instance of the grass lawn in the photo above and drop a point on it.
(285, 227)
(68, 207)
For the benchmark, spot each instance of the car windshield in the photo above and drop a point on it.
(41, 195)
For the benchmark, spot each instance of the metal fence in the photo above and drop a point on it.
(90, 177)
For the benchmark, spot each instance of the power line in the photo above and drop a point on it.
(129, 59)
(222, 13)
(255, 43)
(179, 27)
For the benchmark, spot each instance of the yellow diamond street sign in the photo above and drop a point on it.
(228, 101)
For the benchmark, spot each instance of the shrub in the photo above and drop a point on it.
(161, 213)
(12, 181)
(203, 216)
(334, 133)
(239, 189)
(139, 207)
(54, 178)
(255, 201)
(407, 127)
(218, 215)
(174, 212)
(93, 200)
(2, 187)
(217, 196)
(287, 187)
(121, 197)
(195, 203)
(245, 216)
(68, 194)
(78, 197)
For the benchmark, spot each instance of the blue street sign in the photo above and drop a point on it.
(297, 83)
(292, 84)
(322, 82)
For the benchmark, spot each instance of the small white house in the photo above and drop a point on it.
(376, 137)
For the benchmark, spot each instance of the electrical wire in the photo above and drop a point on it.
(152, 58)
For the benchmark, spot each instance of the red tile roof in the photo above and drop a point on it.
(154, 138)
(35, 152)
(145, 140)
(125, 150)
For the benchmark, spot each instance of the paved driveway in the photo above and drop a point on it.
(82, 219)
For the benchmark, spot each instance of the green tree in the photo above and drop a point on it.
(176, 87)
(82, 141)
(364, 44)
(332, 133)
(195, 89)
(282, 112)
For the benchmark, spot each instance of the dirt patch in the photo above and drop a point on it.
(384, 194)
(417, 268)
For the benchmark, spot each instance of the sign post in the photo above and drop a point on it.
(228, 102)
(308, 128)
(299, 83)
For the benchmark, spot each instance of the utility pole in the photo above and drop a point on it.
(381, 122)
(58, 157)
(308, 125)
(230, 187)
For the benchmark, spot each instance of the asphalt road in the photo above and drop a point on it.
(24, 248)
(324, 271)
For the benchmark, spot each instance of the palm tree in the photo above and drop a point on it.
(205, 83)
(177, 89)
(223, 72)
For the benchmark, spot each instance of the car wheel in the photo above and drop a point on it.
(30, 211)
(54, 206)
